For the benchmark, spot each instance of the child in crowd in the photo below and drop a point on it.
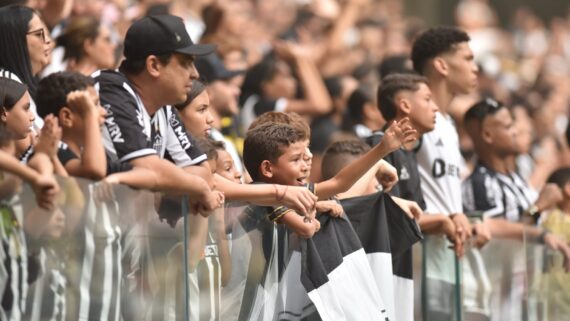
(275, 153)
(18, 259)
(196, 115)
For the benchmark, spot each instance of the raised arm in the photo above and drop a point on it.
(92, 164)
(398, 134)
(317, 100)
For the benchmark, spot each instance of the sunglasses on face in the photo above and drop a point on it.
(41, 33)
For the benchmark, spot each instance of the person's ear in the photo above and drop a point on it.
(65, 117)
(4, 114)
(404, 106)
(153, 66)
(440, 65)
(486, 134)
(266, 169)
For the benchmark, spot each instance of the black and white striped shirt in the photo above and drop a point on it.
(496, 194)
(130, 132)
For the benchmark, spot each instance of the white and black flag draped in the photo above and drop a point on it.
(387, 235)
(328, 273)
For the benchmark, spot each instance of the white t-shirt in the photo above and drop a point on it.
(439, 164)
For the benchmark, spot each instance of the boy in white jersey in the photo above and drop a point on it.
(443, 56)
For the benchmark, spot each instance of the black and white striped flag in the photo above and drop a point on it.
(387, 236)
(337, 275)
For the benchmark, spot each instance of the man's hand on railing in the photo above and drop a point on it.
(481, 234)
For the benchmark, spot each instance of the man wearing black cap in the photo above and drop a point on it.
(157, 71)
(224, 95)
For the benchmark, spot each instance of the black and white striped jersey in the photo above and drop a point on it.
(46, 296)
(14, 258)
(496, 194)
(130, 132)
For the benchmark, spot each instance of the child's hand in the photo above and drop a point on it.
(387, 176)
(48, 141)
(81, 102)
(317, 225)
(46, 189)
(332, 208)
(411, 208)
(398, 134)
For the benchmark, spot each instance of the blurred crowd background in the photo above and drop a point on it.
(522, 48)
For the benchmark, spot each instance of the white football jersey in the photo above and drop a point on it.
(439, 164)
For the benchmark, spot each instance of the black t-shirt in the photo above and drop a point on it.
(113, 166)
(409, 184)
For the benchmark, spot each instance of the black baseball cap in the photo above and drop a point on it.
(212, 68)
(161, 34)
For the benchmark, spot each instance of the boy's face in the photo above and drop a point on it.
(290, 168)
(462, 70)
(225, 167)
(77, 127)
(500, 133)
(422, 109)
(308, 157)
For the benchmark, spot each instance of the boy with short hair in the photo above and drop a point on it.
(72, 98)
(273, 153)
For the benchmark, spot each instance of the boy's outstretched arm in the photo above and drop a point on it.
(398, 134)
(294, 197)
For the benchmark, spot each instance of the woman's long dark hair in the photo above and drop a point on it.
(11, 92)
(14, 54)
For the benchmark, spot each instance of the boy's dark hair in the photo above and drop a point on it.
(53, 91)
(197, 88)
(560, 177)
(267, 142)
(482, 109)
(11, 92)
(433, 42)
(208, 147)
(340, 154)
(290, 118)
(391, 86)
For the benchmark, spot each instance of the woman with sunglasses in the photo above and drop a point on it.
(25, 47)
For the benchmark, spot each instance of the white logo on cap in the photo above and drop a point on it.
(177, 37)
